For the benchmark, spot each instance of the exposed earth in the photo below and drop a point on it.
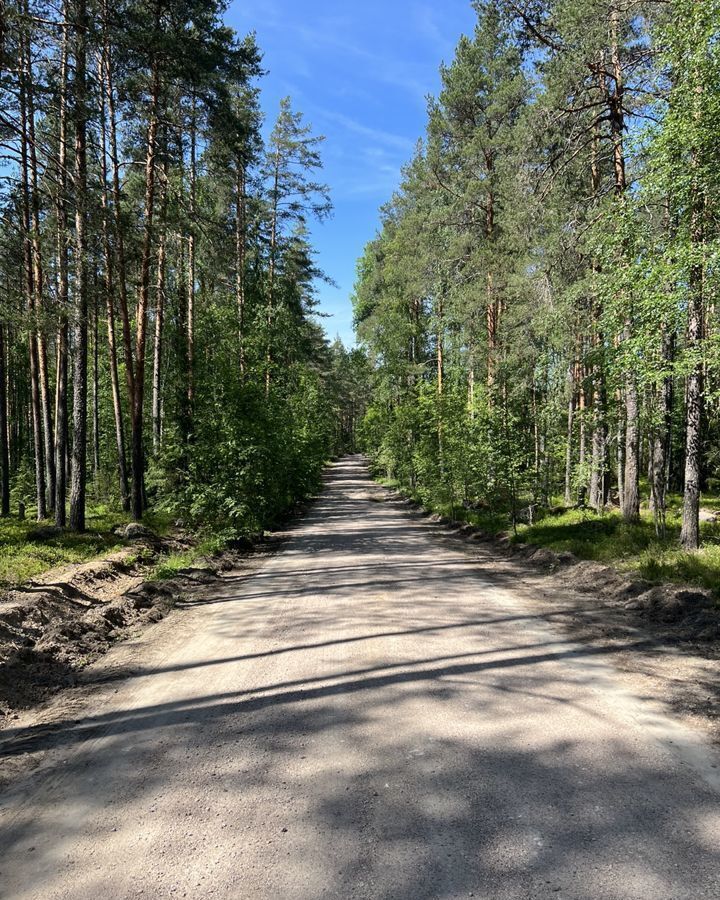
(379, 709)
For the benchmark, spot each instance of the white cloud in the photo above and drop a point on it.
(377, 135)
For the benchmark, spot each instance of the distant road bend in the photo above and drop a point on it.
(375, 713)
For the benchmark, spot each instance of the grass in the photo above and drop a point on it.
(632, 548)
(169, 566)
(22, 560)
(607, 539)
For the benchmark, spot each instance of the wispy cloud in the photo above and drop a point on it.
(427, 26)
(376, 135)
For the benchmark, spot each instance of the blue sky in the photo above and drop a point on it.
(360, 72)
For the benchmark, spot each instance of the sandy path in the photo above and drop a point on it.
(373, 714)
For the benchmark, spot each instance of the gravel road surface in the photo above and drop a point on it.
(375, 712)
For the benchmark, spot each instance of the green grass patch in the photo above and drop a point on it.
(489, 520)
(632, 548)
(605, 538)
(22, 559)
(169, 566)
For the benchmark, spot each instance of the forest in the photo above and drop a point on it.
(538, 344)
(158, 344)
(540, 304)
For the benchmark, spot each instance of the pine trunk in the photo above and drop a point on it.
(78, 475)
(96, 391)
(569, 434)
(35, 408)
(138, 454)
(690, 532)
(190, 318)
(110, 304)
(240, 244)
(4, 449)
(38, 287)
(63, 289)
(631, 486)
(159, 323)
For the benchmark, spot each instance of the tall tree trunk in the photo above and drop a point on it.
(96, 389)
(631, 482)
(661, 438)
(35, 406)
(598, 478)
(690, 532)
(620, 448)
(190, 318)
(61, 385)
(38, 286)
(78, 476)
(4, 449)
(122, 282)
(159, 322)
(110, 301)
(631, 486)
(240, 245)
(572, 399)
(138, 453)
(491, 302)
(272, 269)
(440, 377)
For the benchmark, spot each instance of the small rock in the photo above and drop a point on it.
(134, 531)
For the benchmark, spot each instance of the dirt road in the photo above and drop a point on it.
(376, 713)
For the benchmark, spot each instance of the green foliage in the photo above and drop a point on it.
(631, 547)
(527, 306)
(21, 559)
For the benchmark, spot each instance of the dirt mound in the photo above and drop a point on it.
(678, 612)
(52, 627)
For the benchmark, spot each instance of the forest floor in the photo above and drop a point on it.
(52, 625)
(605, 538)
(376, 706)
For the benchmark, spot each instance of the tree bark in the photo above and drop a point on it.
(271, 274)
(122, 284)
(78, 475)
(690, 532)
(661, 439)
(4, 449)
(138, 454)
(190, 317)
(61, 386)
(631, 482)
(110, 302)
(38, 286)
(572, 395)
(35, 407)
(240, 245)
(159, 323)
(631, 486)
(96, 388)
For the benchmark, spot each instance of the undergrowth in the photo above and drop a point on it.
(22, 559)
(169, 566)
(605, 538)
